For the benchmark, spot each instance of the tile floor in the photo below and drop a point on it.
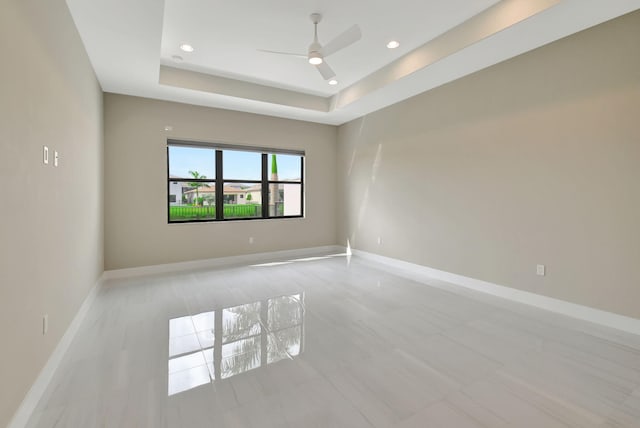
(334, 342)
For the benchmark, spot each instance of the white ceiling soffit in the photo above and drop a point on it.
(131, 50)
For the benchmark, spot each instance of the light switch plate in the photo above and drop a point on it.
(55, 158)
(45, 155)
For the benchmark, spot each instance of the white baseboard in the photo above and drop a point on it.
(220, 262)
(597, 316)
(35, 393)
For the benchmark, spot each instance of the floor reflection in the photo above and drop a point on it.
(224, 343)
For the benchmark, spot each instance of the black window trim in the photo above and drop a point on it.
(219, 180)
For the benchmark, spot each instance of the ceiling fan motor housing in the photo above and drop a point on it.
(315, 57)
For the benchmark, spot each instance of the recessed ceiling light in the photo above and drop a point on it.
(393, 44)
(177, 58)
(186, 47)
(168, 128)
(333, 82)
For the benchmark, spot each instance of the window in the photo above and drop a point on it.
(219, 182)
(285, 185)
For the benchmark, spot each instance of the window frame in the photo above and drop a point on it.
(219, 182)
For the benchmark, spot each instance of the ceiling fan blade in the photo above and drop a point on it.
(325, 70)
(282, 53)
(343, 40)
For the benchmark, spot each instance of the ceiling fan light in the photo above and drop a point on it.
(315, 58)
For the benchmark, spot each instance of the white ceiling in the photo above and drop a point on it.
(131, 44)
(227, 34)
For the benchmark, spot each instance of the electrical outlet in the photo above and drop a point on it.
(540, 270)
(251, 240)
(379, 240)
(45, 155)
(45, 324)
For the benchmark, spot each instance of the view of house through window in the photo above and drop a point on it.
(285, 190)
(222, 182)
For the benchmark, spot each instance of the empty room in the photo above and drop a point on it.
(320, 213)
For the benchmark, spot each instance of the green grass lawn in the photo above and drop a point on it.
(189, 212)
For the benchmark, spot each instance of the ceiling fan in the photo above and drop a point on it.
(317, 53)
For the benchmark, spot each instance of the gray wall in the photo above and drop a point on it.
(51, 230)
(136, 229)
(535, 160)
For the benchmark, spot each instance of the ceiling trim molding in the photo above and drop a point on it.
(186, 79)
(496, 18)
